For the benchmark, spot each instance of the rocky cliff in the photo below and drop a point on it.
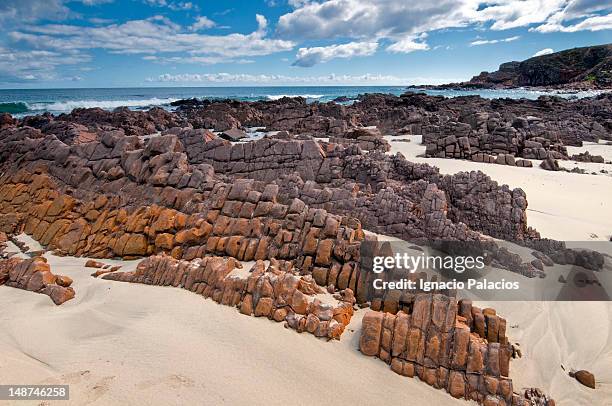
(587, 67)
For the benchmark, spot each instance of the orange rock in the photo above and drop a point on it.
(324, 250)
(310, 244)
(456, 384)
(164, 241)
(39, 280)
(369, 343)
(299, 302)
(280, 314)
(59, 294)
(179, 221)
(312, 323)
(93, 264)
(100, 202)
(264, 307)
(63, 280)
(135, 245)
(246, 307)
(62, 204)
(186, 236)
(165, 220)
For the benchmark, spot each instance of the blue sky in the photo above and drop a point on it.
(116, 43)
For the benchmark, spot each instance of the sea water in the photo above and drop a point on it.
(21, 102)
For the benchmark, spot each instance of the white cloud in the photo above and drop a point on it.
(579, 15)
(307, 57)
(202, 22)
(262, 23)
(17, 11)
(172, 5)
(16, 65)
(596, 23)
(507, 14)
(331, 79)
(545, 51)
(407, 45)
(154, 36)
(297, 3)
(397, 19)
(158, 39)
(95, 2)
(403, 21)
(493, 41)
(200, 60)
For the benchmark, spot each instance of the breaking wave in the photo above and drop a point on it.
(14, 108)
(305, 96)
(67, 106)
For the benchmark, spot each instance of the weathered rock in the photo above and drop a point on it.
(434, 343)
(35, 275)
(584, 377)
(550, 164)
(233, 134)
(253, 293)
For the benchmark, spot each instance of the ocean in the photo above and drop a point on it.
(35, 101)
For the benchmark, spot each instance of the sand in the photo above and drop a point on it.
(564, 206)
(577, 335)
(120, 343)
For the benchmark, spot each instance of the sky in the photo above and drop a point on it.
(132, 43)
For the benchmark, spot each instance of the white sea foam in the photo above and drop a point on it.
(306, 96)
(104, 104)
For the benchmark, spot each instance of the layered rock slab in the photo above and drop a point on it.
(433, 342)
(34, 274)
(277, 291)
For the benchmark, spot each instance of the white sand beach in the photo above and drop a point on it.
(564, 206)
(120, 343)
(575, 335)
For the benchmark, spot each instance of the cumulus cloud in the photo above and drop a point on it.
(307, 57)
(407, 45)
(493, 41)
(545, 51)
(507, 14)
(401, 21)
(596, 23)
(202, 23)
(393, 19)
(579, 15)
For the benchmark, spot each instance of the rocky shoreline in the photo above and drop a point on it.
(586, 68)
(162, 186)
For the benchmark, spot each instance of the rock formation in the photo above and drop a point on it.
(586, 67)
(160, 185)
(491, 125)
(449, 345)
(35, 275)
(277, 292)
